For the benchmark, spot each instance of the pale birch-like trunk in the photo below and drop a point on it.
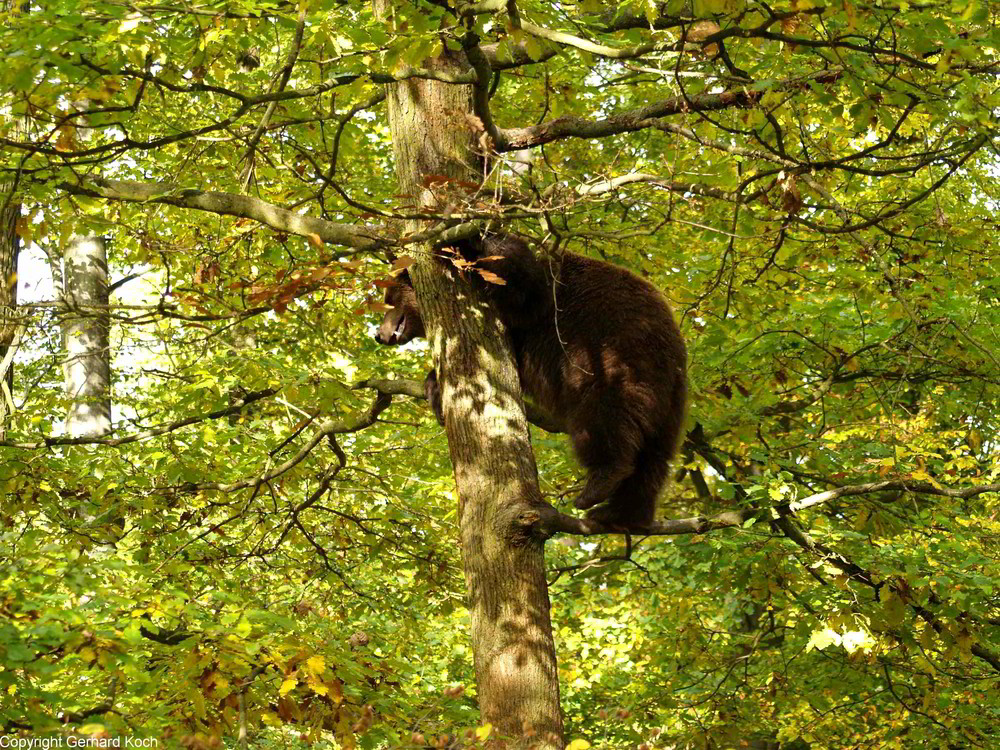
(87, 368)
(507, 594)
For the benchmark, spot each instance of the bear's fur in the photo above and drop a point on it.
(597, 347)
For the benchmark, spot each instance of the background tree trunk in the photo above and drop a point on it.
(10, 210)
(87, 369)
(488, 438)
(10, 247)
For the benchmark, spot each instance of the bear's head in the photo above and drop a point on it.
(402, 323)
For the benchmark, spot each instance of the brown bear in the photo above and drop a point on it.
(597, 347)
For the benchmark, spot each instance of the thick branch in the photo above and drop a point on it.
(570, 126)
(507, 56)
(547, 521)
(481, 89)
(603, 50)
(614, 183)
(362, 239)
(922, 488)
(231, 204)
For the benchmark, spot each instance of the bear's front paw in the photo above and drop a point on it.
(600, 487)
(604, 514)
(587, 499)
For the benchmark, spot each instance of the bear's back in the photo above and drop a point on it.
(605, 339)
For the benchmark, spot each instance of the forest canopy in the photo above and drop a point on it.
(227, 515)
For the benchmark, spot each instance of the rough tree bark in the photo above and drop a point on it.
(10, 210)
(10, 247)
(515, 661)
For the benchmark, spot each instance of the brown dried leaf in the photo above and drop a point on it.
(491, 277)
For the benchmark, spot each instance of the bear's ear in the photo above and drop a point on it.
(404, 278)
(471, 249)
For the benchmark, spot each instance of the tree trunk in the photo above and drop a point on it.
(10, 247)
(87, 370)
(10, 210)
(515, 661)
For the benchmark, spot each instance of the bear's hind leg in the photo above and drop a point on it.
(602, 484)
(609, 459)
(633, 503)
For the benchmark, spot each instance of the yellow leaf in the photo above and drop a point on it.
(317, 686)
(922, 474)
(315, 664)
(483, 732)
(315, 240)
(287, 686)
(578, 745)
(820, 639)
